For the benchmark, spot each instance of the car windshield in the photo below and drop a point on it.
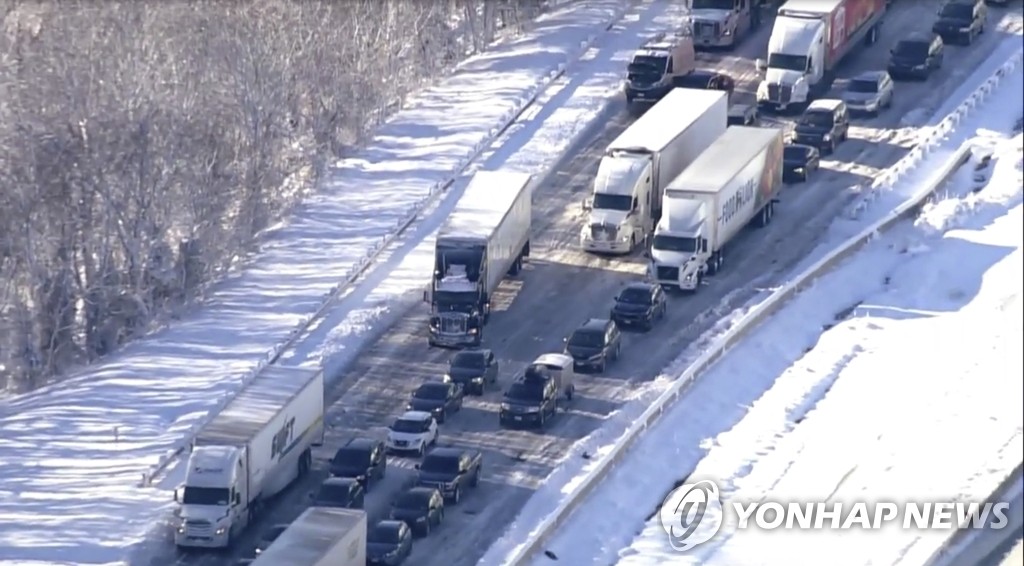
(635, 296)
(674, 243)
(647, 65)
(525, 391)
(957, 11)
(820, 119)
(470, 360)
(787, 62)
(205, 496)
(794, 153)
(866, 86)
(606, 201)
(409, 426)
(412, 500)
(712, 4)
(354, 457)
(587, 339)
(384, 535)
(432, 392)
(440, 465)
(912, 49)
(332, 493)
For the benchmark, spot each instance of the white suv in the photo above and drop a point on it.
(414, 431)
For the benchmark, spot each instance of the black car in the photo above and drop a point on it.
(529, 402)
(474, 370)
(798, 162)
(346, 493)
(268, 538)
(439, 398)
(916, 56)
(364, 459)
(706, 80)
(961, 20)
(743, 115)
(450, 471)
(388, 543)
(824, 124)
(594, 344)
(422, 508)
(639, 304)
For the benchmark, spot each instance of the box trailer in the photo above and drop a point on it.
(637, 166)
(321, 536)
(810, 38)
(254, 448)
(734, 182)
(486, 237)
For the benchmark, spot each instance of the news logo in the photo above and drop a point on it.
(691, 514)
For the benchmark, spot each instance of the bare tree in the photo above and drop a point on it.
(144, 145)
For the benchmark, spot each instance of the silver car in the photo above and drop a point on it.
(869, 93)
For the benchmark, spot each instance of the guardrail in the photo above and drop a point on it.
(929, 143)
(360, 267)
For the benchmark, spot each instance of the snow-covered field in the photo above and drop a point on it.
(914, 390)
(72, 453)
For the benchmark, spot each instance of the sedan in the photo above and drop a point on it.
(388, 543)
(798, 161)
(639, 304)
(439, 398)
(706, 80)
(422, 508)
(474, 370)
(345, 493)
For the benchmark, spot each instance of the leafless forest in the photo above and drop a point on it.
(143, 145)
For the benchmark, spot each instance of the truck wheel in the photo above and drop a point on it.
(632, 243)
(457, 495)
(305, 462)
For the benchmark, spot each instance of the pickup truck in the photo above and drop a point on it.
(450, 470)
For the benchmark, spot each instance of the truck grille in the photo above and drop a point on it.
(452, 324)
(198, 528)
(603, 232)
(666, 273)
(705, 29)
(780, 93)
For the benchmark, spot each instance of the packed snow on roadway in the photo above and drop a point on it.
(896, 377)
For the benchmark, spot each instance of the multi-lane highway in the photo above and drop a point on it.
(563, 286)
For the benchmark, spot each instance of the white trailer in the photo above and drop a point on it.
(642, 161)
(254, 448)
(486, 237)
(734, 182)
(321, 536)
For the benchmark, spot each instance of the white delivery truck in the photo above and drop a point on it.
(810, 38)
(485, 237)
(734, 182)
(640, 163)
(254, 448)
(321, 536)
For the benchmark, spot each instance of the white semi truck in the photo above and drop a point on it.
(734, 182)
(810, 38)
(639, 164)
(258, 445)
(321, 536)
(486, 237)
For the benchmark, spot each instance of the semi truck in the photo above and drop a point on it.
(723, 23)
(486, 237)
(253, 449)
(637, 166)
(735, 182)
(321, 536)
(810, 38)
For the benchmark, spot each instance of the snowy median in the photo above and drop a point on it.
(81, 445)
(569, 485)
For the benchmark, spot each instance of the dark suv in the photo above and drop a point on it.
(529, 401)
(639, 304)
(474, 370)
(594, 344)
(961, 20)
(450, 471)
(916, 56)
(824, 125)
(361, 458)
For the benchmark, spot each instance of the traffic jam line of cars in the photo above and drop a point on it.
(681, 181)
